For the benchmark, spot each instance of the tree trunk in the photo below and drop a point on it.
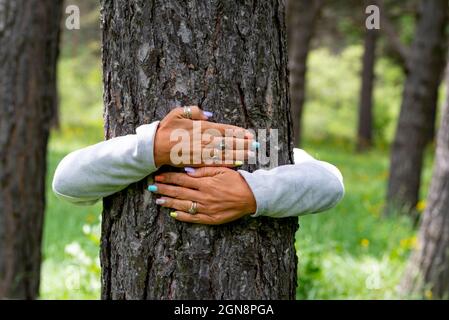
(302, 17)
(365, 128)
(428, 270)
(417, 117)
(29, 34)
(230, 58)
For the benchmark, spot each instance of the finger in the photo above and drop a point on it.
(196, 113)
(205, 171)
(194, 218)
(175, 192)
(232, 143)
(226, 130)
(214, 156)
(179, 179)
(181, 205)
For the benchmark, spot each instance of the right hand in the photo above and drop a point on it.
(238, 141)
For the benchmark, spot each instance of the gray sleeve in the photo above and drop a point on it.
(309, 186)
(87, 175)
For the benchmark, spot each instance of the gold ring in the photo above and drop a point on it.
(188, 112)
(193, 208)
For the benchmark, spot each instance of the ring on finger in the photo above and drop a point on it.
(222, 145)
(193, 208)
(187, 112)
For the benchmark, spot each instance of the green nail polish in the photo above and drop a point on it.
(238, 163)
(173, 214)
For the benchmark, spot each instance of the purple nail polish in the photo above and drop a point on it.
(160, 201)
(208, 114)
(189, 170)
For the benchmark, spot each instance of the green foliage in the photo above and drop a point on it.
(332, 101)
(352, 251)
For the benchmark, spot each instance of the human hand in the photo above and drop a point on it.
(202, 142)
(221, 195)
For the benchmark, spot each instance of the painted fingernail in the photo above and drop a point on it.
(238, 163)
(160, 201)
(189, 170)
(173, 214)
(152, 188)
(255, 145)
(208, 114)
(159, 178)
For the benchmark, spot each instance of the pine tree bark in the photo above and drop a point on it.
(302, 17)
(230, 58)
(428, 269)
(417, 117)
(365, 128)
(29, 34)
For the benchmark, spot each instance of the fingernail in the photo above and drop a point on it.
(160, 201)
(152, 188)
(255, 145)
(238, 163)
(251, 154)
(159, 178)
(189, 170)
(173, 214)
(208, 114)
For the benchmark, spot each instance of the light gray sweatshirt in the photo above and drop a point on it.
(85, 176)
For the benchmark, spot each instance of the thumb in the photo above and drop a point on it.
(204, 171)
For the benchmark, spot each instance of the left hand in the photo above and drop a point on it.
(221, 194)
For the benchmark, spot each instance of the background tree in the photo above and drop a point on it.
(230, 58)
(365, 125)
(428, 270)
(29, 33)
(302, 16)
(417, 117)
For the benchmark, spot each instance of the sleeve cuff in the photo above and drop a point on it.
(257, 189)
(145, 144)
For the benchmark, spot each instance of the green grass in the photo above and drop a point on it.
(349, 252)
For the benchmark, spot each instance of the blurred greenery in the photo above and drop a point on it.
(349, 252)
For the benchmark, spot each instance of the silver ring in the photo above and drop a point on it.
(188, 112)
(222, 145)
(193, 208)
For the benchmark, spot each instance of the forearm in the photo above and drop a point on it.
(310, 186)
(89, 174)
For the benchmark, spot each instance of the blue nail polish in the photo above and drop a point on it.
(255, 145)
(152, 188)
(208, 114)
(189, 170)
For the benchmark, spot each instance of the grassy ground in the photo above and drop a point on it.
(350, 251)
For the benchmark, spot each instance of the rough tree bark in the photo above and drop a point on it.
(29, 34)
(417, 117)
(428, 270)
(230, 58)
(301, 19)
(365, 127)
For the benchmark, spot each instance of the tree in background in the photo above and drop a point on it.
(230, 58)
(365, 125)
(29, 33)
(428, 270)
(302, 16)
(417, 117)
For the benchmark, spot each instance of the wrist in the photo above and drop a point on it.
(160, 155)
